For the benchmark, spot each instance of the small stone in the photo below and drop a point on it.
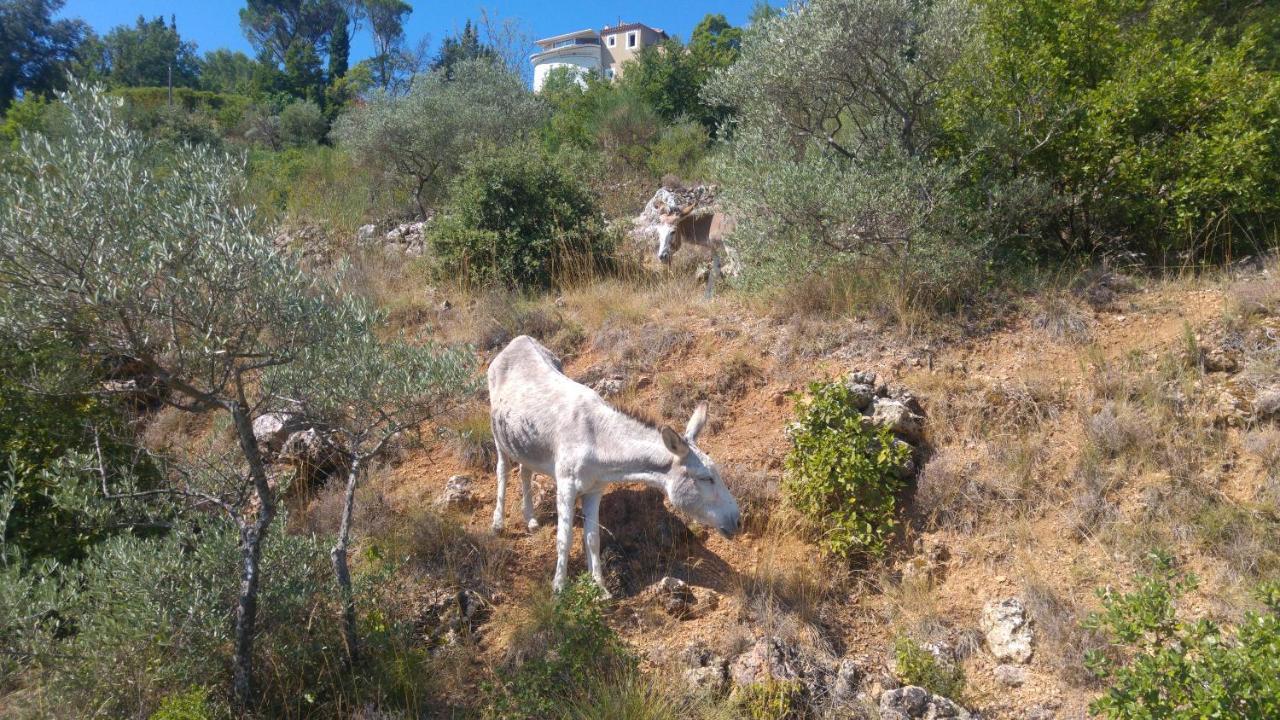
(366, 234)
(1011, 675)
(675, 595)
(1266, 405)
(861, 394)
(895, 416)
(1007, 630)
(457, 493)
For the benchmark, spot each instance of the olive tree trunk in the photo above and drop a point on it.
(338, 555)
(252, 532)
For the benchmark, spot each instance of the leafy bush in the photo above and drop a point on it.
(571, 647)
(770, 700)
(1171, 668)
(917, 666)
(517, 219)
(190, 705)
(39, 428)
(842, 473)
(421, 138)
(1153, 120)
(302, 123)
(680, 150)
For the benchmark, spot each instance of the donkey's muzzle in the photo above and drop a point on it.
(732, 526)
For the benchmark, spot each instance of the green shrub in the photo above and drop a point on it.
(42, 423)
(680, 150)
(302, 124)
(917, 666)
(770, 700)
(517, 219)
(193, 704)
(842, 473)
(570, 647)
(1171, 668)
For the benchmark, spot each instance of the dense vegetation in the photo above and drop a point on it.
(883, 158)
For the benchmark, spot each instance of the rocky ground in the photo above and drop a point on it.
(1053, 453)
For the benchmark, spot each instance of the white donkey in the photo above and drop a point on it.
(707, 229)
(554, 426)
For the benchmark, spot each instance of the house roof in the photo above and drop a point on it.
(631, 26)
(587, 32)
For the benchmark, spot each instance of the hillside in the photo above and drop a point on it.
(1056, 461)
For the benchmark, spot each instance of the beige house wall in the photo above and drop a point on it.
(620, 44)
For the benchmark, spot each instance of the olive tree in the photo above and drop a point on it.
(151, 263)
(833, 143)
(366, 393)
(421, 138)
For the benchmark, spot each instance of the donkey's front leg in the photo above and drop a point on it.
(566, 498)
(499, 512)
(591, 539)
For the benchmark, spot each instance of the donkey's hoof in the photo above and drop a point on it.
(496, 527)
(532, 524)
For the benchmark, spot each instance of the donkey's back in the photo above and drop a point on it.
(532, 403)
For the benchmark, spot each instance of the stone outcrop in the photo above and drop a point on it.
(1007, 630)
(916, 703)
(457, 494)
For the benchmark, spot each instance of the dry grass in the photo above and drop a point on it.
(470, 438)
(1060, 639)
(950, 494)
(1060, 315)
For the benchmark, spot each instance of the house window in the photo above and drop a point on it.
(631, 39)
(613, 40)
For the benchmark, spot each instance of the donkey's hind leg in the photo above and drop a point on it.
(526, 494)
(713, 273)
(498, 513)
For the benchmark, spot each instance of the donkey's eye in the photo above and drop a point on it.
(705, 478)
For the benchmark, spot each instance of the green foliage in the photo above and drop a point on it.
(770, 700)
(1172, 668)
(420, 139)
(196, 115)
(146, 53)
(515, 218)
(843, 474)
(572, 646)
(917, 666)
(834, 105)
(680, 150)
(302, 124)
(31, 114)
(465, 46)
(37, 49)
(1153, 120)
(44, 420)
(229, 72)
(190, 705)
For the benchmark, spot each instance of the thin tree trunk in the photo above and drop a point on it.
(339, 557)
(252, 533)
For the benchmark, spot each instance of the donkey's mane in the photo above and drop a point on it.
(639, 415)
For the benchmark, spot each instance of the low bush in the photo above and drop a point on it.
(302, 124)
(843, 474)
(772, 700)
(1173, 668)
(516, 219)
(567, 647)
(917, 666)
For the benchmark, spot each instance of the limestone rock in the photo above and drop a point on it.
(457, 493)
(916, 703)
(1266, 404)
(1011, 675)
(366, 234)
(898, 418)
(704, 672)
(675, 596)
(271, 430)
(315, 455)
(769, 659)
(1008, 632)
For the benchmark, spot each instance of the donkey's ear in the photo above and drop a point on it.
(696, 421)
(674, 443)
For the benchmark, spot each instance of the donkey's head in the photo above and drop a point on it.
(668, 231)
(693, 483)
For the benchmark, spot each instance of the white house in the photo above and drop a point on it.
(588, 51)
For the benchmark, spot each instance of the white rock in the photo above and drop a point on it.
(1008, 632)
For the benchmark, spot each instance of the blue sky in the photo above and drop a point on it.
(216, 23)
